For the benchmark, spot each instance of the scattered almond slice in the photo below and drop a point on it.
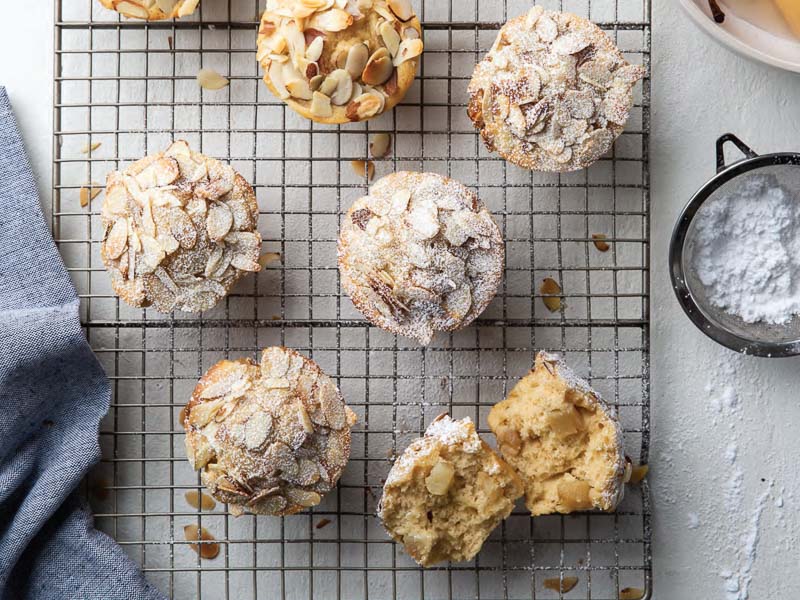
(600, 242)
(322, 523)
(88, 148)
(89, 194)
(200, 500)
(267, 258)
(170, 42)
(380, 145)
(194, 533)
(209, 79)
(638, 473)
(550, 290)
(630, 593)
(560, 585)
(364, 167)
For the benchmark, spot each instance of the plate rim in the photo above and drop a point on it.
(734, 43)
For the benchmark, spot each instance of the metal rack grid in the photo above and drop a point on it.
(131, 86)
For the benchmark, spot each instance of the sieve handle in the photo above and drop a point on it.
(743, 148)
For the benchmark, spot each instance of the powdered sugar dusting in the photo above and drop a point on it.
(452, 432)
(747, 250)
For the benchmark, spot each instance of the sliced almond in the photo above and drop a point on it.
(363, 107)
(315, 82)
(133, 10)
(331, 21)
(357, 58)
(562, 585)
(201, 414)
(299, 88)
(344, 87)
(390, 37)
(402, 9)
(276, 78)
(303, 497)
(631, 593)
(314, 49)
(89, 148)
(600, 242)
(364, 168)
(409, 48)
(378, 68)
(88, 194)
(117, 239)
(321, 105)
(380, 145)
(410, 33)
(638, 473)
(322, 523)
(219, 221)
(267, 258)
(199, 500)
(257, 430)
(208, 549)
(550, 291)
(209, 79)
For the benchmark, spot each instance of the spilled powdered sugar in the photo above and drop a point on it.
(747, 250)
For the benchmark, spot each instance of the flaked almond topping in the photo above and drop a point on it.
(267, 258)
(363, 107)
(117, 239)
(88, 194)
(638, 473)
(88, 148)
(409, 48)
(390, 37)
(209, 79)
(631, 593)
(207, 549)
(380, 145)
(550, 291)
(344, 87)
(299, 88)
(378, 68)
(303, 497)
(199, 500)
(600, 242)
(402, 9)
(357, 58)
(314, 49)
(410, 33)
(332, 20)
(276, 78)
(131, 9)
(321, 105)
(364, 168)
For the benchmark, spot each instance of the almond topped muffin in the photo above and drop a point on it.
(420, 254)
(339, 61)
(180, 229)
(269, 438)
(553, 92)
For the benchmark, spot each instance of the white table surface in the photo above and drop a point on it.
(712, 513)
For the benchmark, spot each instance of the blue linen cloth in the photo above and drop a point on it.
(53, 394)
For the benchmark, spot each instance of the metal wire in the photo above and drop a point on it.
(130, 86)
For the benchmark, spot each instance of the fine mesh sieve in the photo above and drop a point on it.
(759, 338)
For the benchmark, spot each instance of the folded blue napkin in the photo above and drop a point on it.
(53, 394)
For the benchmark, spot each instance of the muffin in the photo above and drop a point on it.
(152, 10)
(553, 93)
(562, 439)
(447, 493)
(335, 62)
(270, 439)
(179, 230)
(420, 254)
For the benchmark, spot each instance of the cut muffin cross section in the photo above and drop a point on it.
(562, 439)
(446, 493)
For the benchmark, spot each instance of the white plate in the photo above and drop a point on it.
(772, 46)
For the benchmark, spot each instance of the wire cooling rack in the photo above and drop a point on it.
(130, 87)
